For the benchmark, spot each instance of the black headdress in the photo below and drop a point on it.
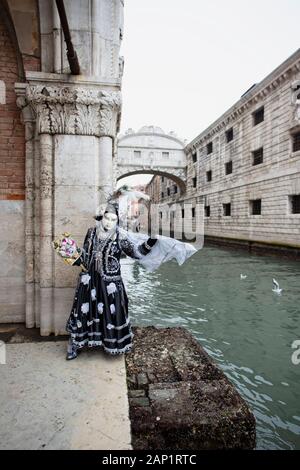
(112, 204)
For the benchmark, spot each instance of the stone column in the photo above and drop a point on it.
(46, 234)
(105, 173)
(96, 46)
(76, 128)
(36, 230)
(29, 123)
(57, 66)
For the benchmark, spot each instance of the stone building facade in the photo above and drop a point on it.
(245, 167)
(162, 188)
(58, 145)
(243, 171)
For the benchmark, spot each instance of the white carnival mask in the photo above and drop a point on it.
(109, 221)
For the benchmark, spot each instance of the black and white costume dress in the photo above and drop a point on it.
(99, 315)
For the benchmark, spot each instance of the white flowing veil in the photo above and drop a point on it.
(165, 249)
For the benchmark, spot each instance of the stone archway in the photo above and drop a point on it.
(151, 150)
(178, 176)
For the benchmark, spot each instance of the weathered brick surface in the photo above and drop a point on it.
(184, 401)
(12, 135)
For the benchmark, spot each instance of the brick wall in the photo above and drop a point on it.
(12, 134)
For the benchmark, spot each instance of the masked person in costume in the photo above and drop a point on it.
(99, 314)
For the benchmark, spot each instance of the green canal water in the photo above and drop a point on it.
(244, 326)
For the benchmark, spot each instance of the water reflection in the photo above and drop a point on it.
(241, 323)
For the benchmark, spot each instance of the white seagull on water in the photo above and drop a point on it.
(276, 287)
(243, 276)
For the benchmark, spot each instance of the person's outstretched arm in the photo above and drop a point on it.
(134, 250)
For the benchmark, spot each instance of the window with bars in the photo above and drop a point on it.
(165, 154)
(227, 209)
(207, 211)
(194, 157)
(258, 116)
(209, 175)
(229, 135)
(296, 142)
(228, 167)
(295, 203)
(209, 148)
(258, 156)
(195, 182)
(255, 206)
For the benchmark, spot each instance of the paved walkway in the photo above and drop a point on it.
(47, 402)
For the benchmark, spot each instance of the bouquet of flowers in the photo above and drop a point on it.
(67, 248)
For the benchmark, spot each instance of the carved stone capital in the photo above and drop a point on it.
(74, 110)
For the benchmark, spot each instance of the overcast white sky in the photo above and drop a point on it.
(187, 62)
